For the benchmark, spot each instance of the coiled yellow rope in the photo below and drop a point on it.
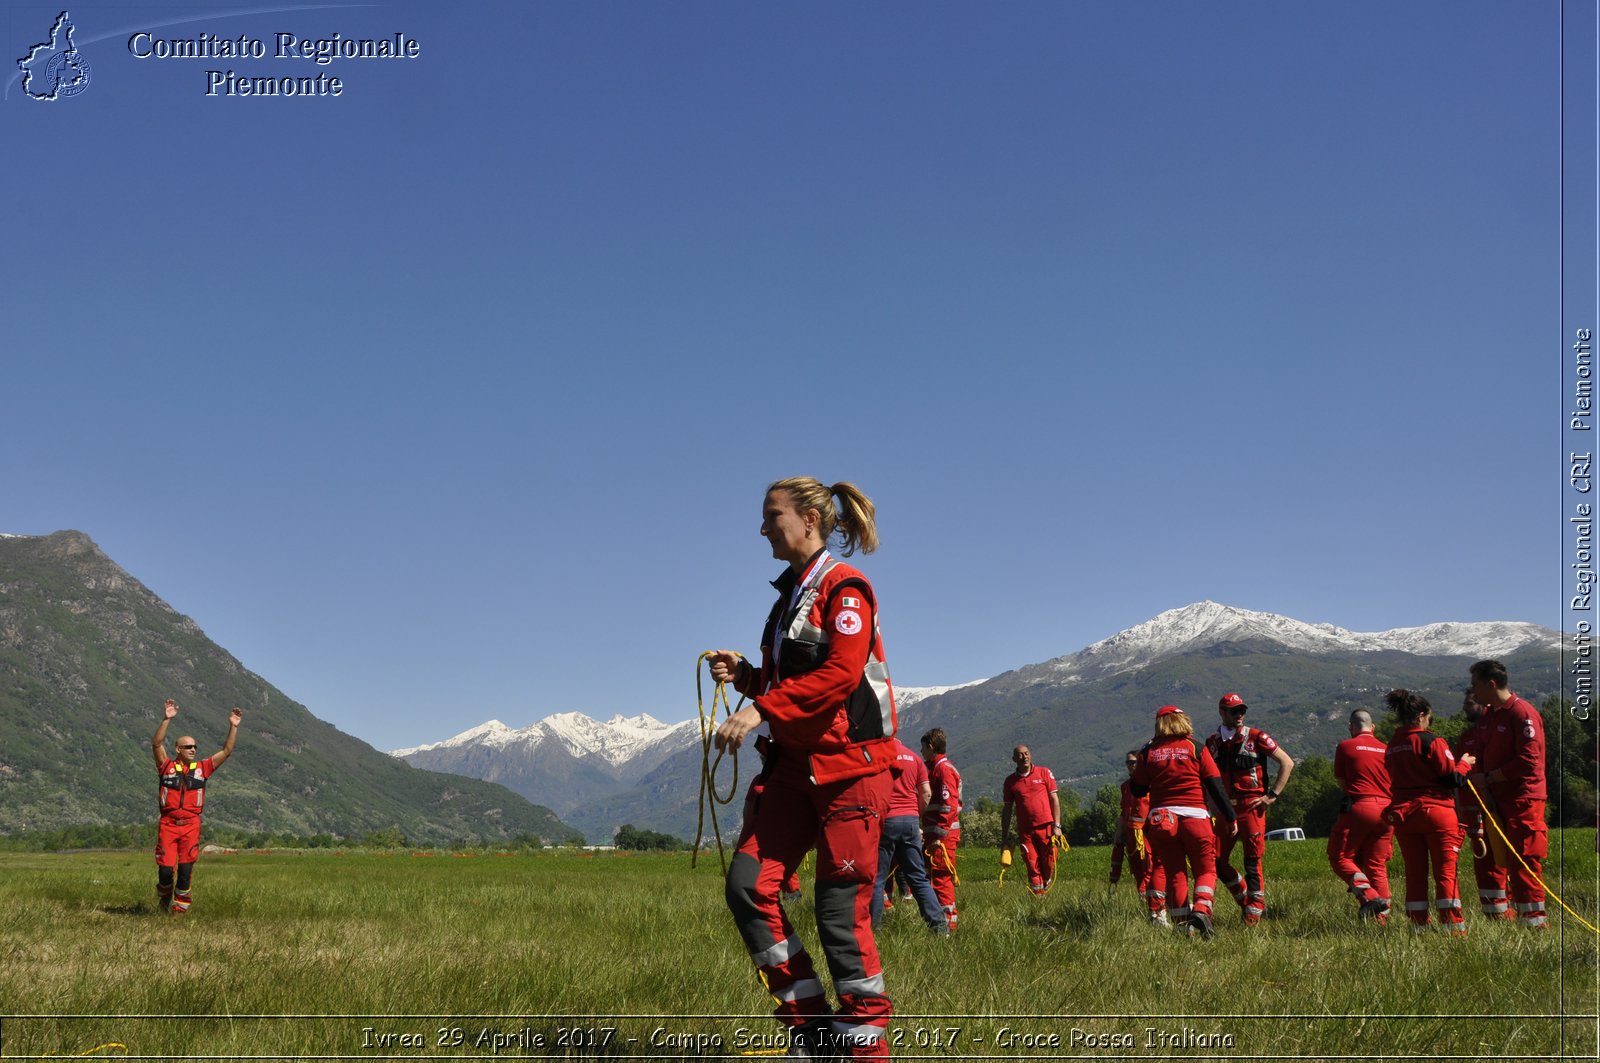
(709, 798)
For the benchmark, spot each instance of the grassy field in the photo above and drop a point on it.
(299, 956)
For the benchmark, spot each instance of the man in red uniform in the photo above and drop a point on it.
(1476, 832)
(900, 847)
(1130, 838)
(1031, 790)
(1361, 843)
(181, 794)
(941, 822)
(1241, 754)
(1512, 768)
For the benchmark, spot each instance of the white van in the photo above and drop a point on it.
(1286, 834)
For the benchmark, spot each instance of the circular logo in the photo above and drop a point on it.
(67, 73)
(848, 622)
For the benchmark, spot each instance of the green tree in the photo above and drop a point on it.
(980, 824)
(1097, 825)
(1569, 755)
(1310, 801)
(387, 838)
(631, 837)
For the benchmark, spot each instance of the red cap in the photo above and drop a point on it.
(1231, 701)
(1167, 710)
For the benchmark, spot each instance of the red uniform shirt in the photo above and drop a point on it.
(1242, 759)
(1358, 765)
(1173, 768)
(1419, 769)
(1514, 744)
(909, 775)
(182, 786)
(944, 810)
(1031, 792)
(1135, 810)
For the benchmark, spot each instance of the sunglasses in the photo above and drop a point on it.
(182, 746)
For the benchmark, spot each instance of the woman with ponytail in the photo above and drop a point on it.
(1423, 778)
(822, 689)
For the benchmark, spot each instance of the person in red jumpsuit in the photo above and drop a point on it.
(1185, 790)
(1031, 790)
(1423, 778)
(1129, 839)
(1241, 753)
(941, 822)
(822, 689)
(1361, 843)
(1477, 835)
(1512, 769)
(181, 796)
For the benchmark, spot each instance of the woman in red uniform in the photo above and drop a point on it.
(823, 691)
(1180, 777)
(1423, 779)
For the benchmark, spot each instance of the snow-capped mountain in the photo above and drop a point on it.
(905, 697)
(616, 741)
(1079, 712)
(1209, 623)
(563, 761)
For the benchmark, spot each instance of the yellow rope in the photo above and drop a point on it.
(1058, 842)
(949, 864)
(1502, 835)
(709, 798)
(100, 1048)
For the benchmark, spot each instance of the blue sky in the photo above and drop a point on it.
(454, 397)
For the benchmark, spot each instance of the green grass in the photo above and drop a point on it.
(316, 954)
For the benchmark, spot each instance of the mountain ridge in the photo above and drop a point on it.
(87, 656)
(1080, 711)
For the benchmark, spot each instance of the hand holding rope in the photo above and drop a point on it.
(709, 798)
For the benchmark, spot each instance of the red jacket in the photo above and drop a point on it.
(1421, 768)
(1359, 767)
(823, 686)
(1514, 744)
(944, 810)
(1173, 771)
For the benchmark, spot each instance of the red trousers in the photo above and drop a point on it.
(1184, 842)
(177, 840)
(1430, 834)
(941, 858)
(1523, 822)
(842, 821)
(1487, 870)
(1360, 846)
(1250, 889)
(1138, 863)
(1039, 854)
